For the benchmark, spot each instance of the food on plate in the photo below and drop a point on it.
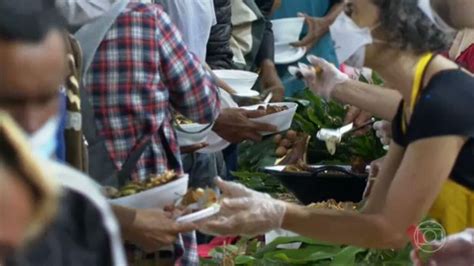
(272, 109)
(139, 186)
(205, 198)
(182, 120)
(299, 167)
(334, 205)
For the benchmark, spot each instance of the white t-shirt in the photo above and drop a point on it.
(194, 19)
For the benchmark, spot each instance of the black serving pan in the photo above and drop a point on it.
(322, 182)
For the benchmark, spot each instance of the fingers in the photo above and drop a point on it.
(262, 127)
(351, 115)
(185, 227)
(236, 205)
(254, 113)
(193, 148)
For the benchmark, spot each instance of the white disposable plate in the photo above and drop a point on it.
(200, 215)
(158, 197)
(286, 54)
(281, 120)
(250, 93)
(215, 142)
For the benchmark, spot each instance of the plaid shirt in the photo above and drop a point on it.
(140, 72)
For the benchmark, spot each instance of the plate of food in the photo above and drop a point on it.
(190, 133)
(277, 114)
(157, 192)
(198, 204)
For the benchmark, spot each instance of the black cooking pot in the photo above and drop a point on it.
(322, 183)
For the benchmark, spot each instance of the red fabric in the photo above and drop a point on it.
(205, 249)
(466, 59)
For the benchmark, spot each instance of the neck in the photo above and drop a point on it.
(397, 69)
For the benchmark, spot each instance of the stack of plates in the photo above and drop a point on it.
(287, 31)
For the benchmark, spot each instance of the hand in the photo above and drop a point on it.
(236, 190)
(249, 216)
(383, 130)
(454, 250)
(271, 81)
(325, 81)
(153, 229)
(375, 167)
(317, 28)
(193, 148)
(235, 126)
(358, 117)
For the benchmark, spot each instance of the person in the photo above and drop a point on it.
(219, 54)
(157, 74)
(32, 71)
(252, 43)
(449, 15)
(29, 198)
(428, 168)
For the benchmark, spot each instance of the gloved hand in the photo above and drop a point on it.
(456, 249)
(245, 212)
(249, 216)
(323, 82)
(383, 130)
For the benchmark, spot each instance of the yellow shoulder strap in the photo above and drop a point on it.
(417, 85)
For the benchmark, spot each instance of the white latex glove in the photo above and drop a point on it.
(322, 83)
(383, 130)
(249, 216)
(456, 249)
(236, 190)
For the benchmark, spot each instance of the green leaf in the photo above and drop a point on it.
(288, 240)
(244, 260)
(301, 256)
(347, 256)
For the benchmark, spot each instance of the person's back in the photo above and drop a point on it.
(140, 71)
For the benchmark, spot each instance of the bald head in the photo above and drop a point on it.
(31, 75)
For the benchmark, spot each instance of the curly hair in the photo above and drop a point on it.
(409, 28)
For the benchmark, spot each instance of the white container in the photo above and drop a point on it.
(200, 215)
(287, 30)
(158, 197)
(195, 136)
(240, 81)
(272, 235)
(282, 120)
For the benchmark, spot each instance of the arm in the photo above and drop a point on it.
(430, 158)
(381, 102)
(192, 90)
(318, 27)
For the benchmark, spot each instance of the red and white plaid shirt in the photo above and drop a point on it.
(141, 71)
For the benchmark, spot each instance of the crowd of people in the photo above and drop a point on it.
(89, 90)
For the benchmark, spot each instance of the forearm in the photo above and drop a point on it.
(342, 227)
(381, 102)
(334, 12)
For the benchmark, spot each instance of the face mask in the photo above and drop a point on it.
(43, 141)
(350, 40)
(425, 6)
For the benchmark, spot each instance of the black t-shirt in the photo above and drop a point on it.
(445, 107)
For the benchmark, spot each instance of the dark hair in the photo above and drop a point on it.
(409, 28)
(28, 20)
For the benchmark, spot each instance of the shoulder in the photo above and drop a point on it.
(445, 107)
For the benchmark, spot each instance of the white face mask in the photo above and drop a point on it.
(350, 40)
(425, 6)
(43, 141)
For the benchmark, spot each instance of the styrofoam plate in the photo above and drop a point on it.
(200, 215)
